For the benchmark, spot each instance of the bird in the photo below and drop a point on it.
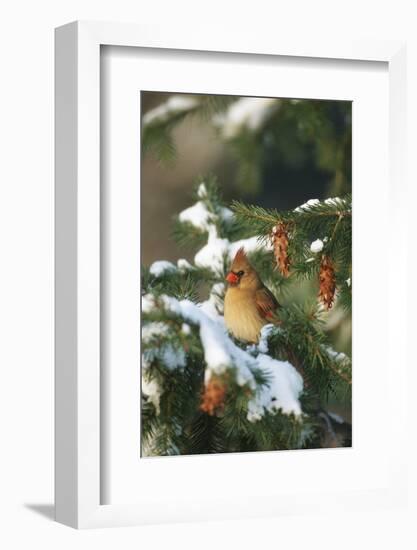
(248, 303)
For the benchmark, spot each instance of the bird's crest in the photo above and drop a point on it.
(240, 254)
(240, 260)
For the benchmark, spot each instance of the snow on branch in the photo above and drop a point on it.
(217, 249)
(247, 112)
(160, 267)
(282, 384)
(174, 105)
(200, 217)
(205, 216)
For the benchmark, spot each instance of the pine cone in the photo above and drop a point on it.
(213, 396)
(327, 282)
(280, 242)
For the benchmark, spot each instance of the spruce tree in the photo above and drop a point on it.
(203, 391)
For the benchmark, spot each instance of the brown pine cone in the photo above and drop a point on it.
(327, 282)
(280, 241)
(213, 396)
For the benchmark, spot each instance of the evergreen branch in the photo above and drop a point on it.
(174, 354)
(159, 123)
(303, 341)
(339, 208)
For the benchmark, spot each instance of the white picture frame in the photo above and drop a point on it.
(78, 406)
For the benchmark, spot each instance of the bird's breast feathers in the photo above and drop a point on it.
(242, 315)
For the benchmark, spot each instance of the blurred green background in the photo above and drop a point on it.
(302, 150)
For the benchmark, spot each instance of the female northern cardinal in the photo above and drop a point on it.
(248, 304)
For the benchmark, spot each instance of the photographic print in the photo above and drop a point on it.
(246, 251)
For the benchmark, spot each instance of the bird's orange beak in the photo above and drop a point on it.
(232, 278)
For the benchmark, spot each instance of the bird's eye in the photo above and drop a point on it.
(240, 273)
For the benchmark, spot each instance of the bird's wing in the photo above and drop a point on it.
(266, 303)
